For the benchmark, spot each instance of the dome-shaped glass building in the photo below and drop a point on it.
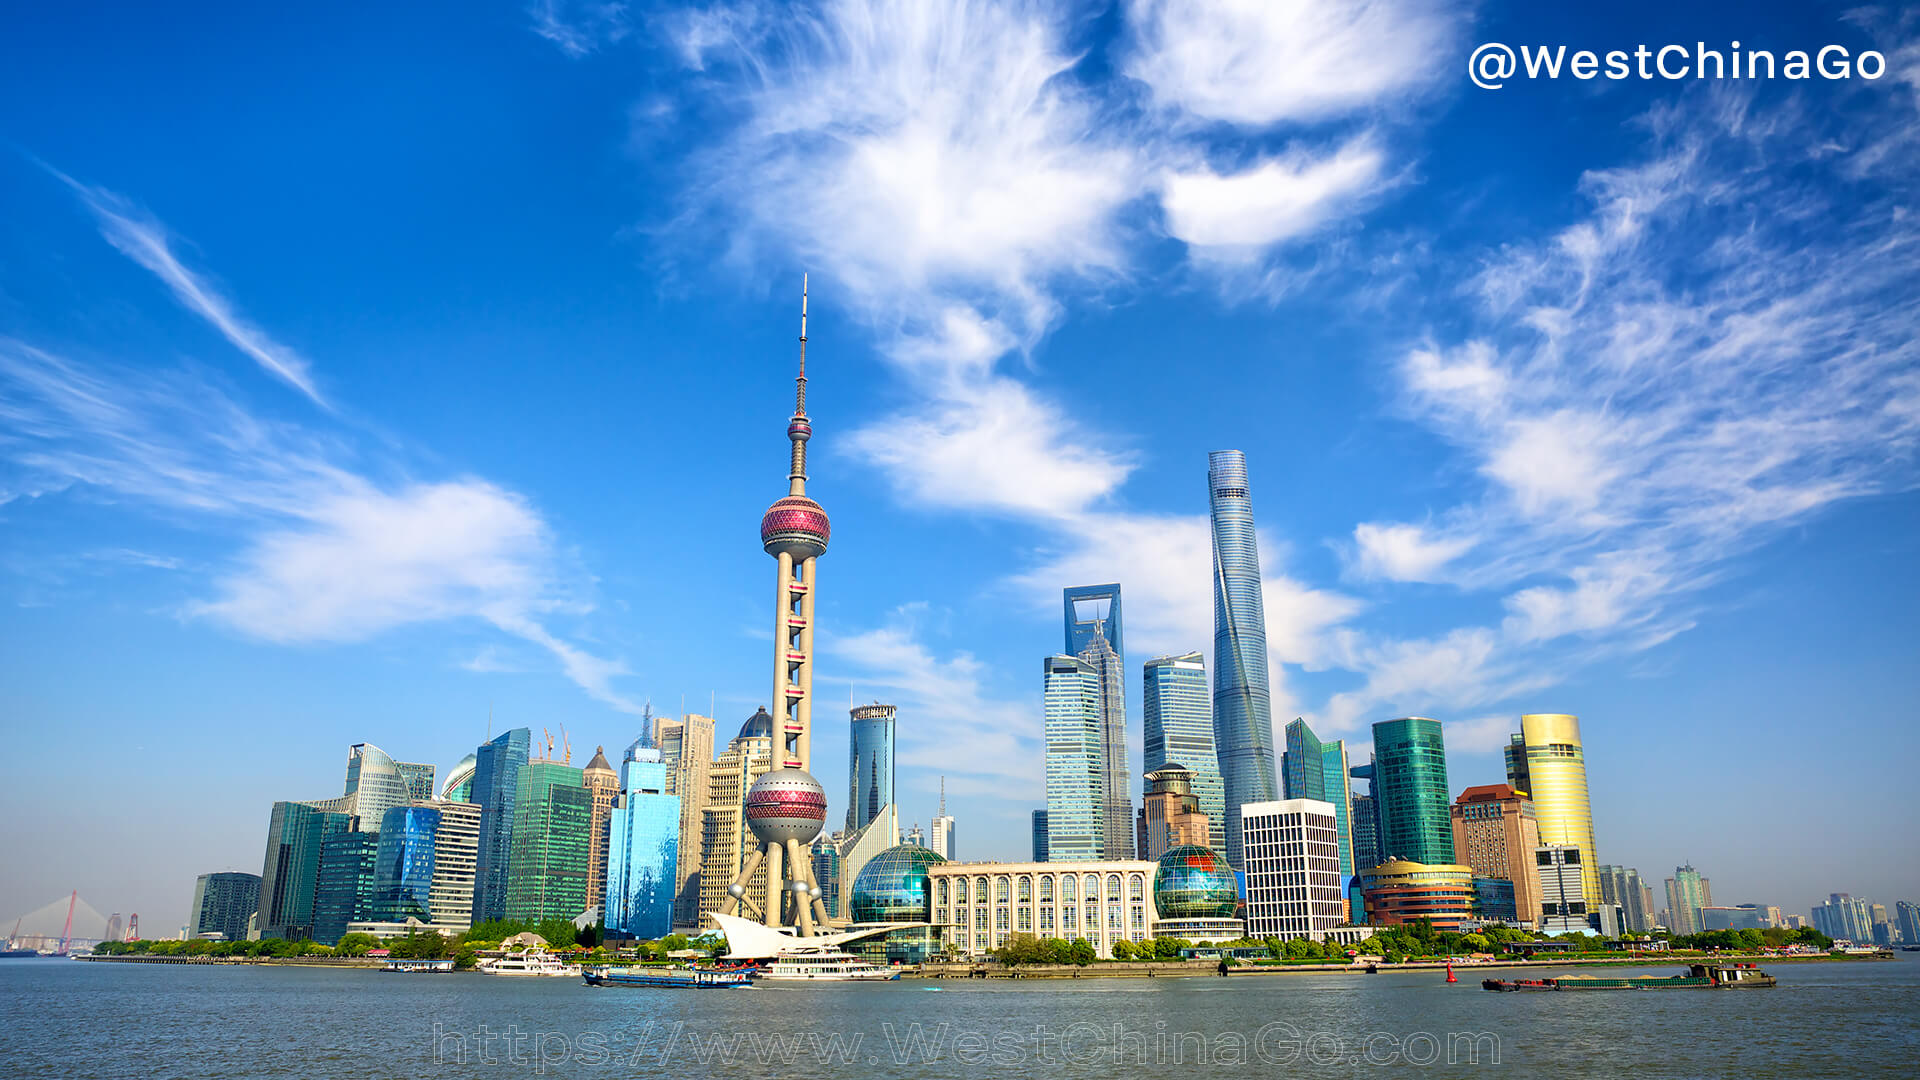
(1195, 895)
(893, 886)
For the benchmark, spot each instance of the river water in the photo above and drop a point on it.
(67, 1019)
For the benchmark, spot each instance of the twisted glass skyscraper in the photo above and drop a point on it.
(1242, 711)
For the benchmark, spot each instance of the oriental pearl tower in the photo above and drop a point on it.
(786, 807)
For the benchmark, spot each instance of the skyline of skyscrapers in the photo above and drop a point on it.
(1176, 704)
(1242, 708)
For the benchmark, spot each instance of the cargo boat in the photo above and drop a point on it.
(675, 978)
(1698, 977)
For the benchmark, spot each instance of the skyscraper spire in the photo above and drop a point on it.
(799, 430)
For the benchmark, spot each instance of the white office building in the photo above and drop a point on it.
(1292, 852)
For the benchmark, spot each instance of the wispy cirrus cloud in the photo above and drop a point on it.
(333, 553)
(1659, 388)
(579, 27)
(141, 237)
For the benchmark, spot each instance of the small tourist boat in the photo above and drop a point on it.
(526, 962)
(1697, 977)
(687, 977)
(825, 966)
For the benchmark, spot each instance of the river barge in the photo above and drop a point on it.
(672, 978)
(1697, 977)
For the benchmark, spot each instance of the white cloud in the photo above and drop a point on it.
(334, 555)
(579, 28)
(1256, 63)
(1238, 216)
(1403, 552)
(146, 241)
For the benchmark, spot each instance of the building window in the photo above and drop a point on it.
(1025, 892)
(1046, 888)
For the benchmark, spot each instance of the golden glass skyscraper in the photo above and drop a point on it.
(1547, 762)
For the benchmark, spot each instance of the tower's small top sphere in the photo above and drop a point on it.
(800, 430)
(796, 525)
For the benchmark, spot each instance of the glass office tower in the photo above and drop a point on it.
(869, 764)
(1116, 787)
(343, 891)
(375, 784)
(403, 865)
(1076, 761)
(495, 786)
(1311, 769)
(1242, 711)
(1178, 707)
(291, 873)
(1040, 853)
(642, 851)
(1410, 791)
(223, 903)
(1547, 762)
(552, 826)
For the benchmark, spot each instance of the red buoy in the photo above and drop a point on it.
(1451, 977)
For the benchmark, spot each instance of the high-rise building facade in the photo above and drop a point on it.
(1177, 706)
(1621, 885)
(1170, 814)
(1906, 914)
(725, 839)
(1365, 833)
(943, 841)
(1844, 918)
(1547, 762)
(223, 904)
(1410, 794)
(1075, 761)
(1311, 769)
(290, 876)
(869, 762)
(553, 815)
(456, 850)
(643, 844)
(1040, 850)
(495, 788)
(1687, 893)
(376, 784)
(403, 865)
(1294, 885)
(1116, 789)
(419, 780)
(1242, 708)
(603, 789)
(686, 748)
(343, 891)
(1495, 833)
(1563, 898)
(459, 787)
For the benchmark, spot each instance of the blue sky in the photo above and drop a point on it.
(361, 376)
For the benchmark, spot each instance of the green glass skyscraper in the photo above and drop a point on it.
(1311, 769)
(343, 892)
(290, 876)
(1410, 790)
(552, 819)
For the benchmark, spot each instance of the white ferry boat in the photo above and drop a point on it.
(824, 966)
(526, 962)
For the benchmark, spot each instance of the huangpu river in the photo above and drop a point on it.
(69, 1019)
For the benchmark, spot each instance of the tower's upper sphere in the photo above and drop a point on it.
(796, 525)
(786, 804)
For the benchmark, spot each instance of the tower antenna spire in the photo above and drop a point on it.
(800, 391)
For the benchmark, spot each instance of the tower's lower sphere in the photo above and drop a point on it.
(786, 804)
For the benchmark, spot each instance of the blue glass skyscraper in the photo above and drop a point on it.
(643, 850)
(1242, 710)
(403, 865)
(497, 766)
(1178, 708)
(870, 763)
